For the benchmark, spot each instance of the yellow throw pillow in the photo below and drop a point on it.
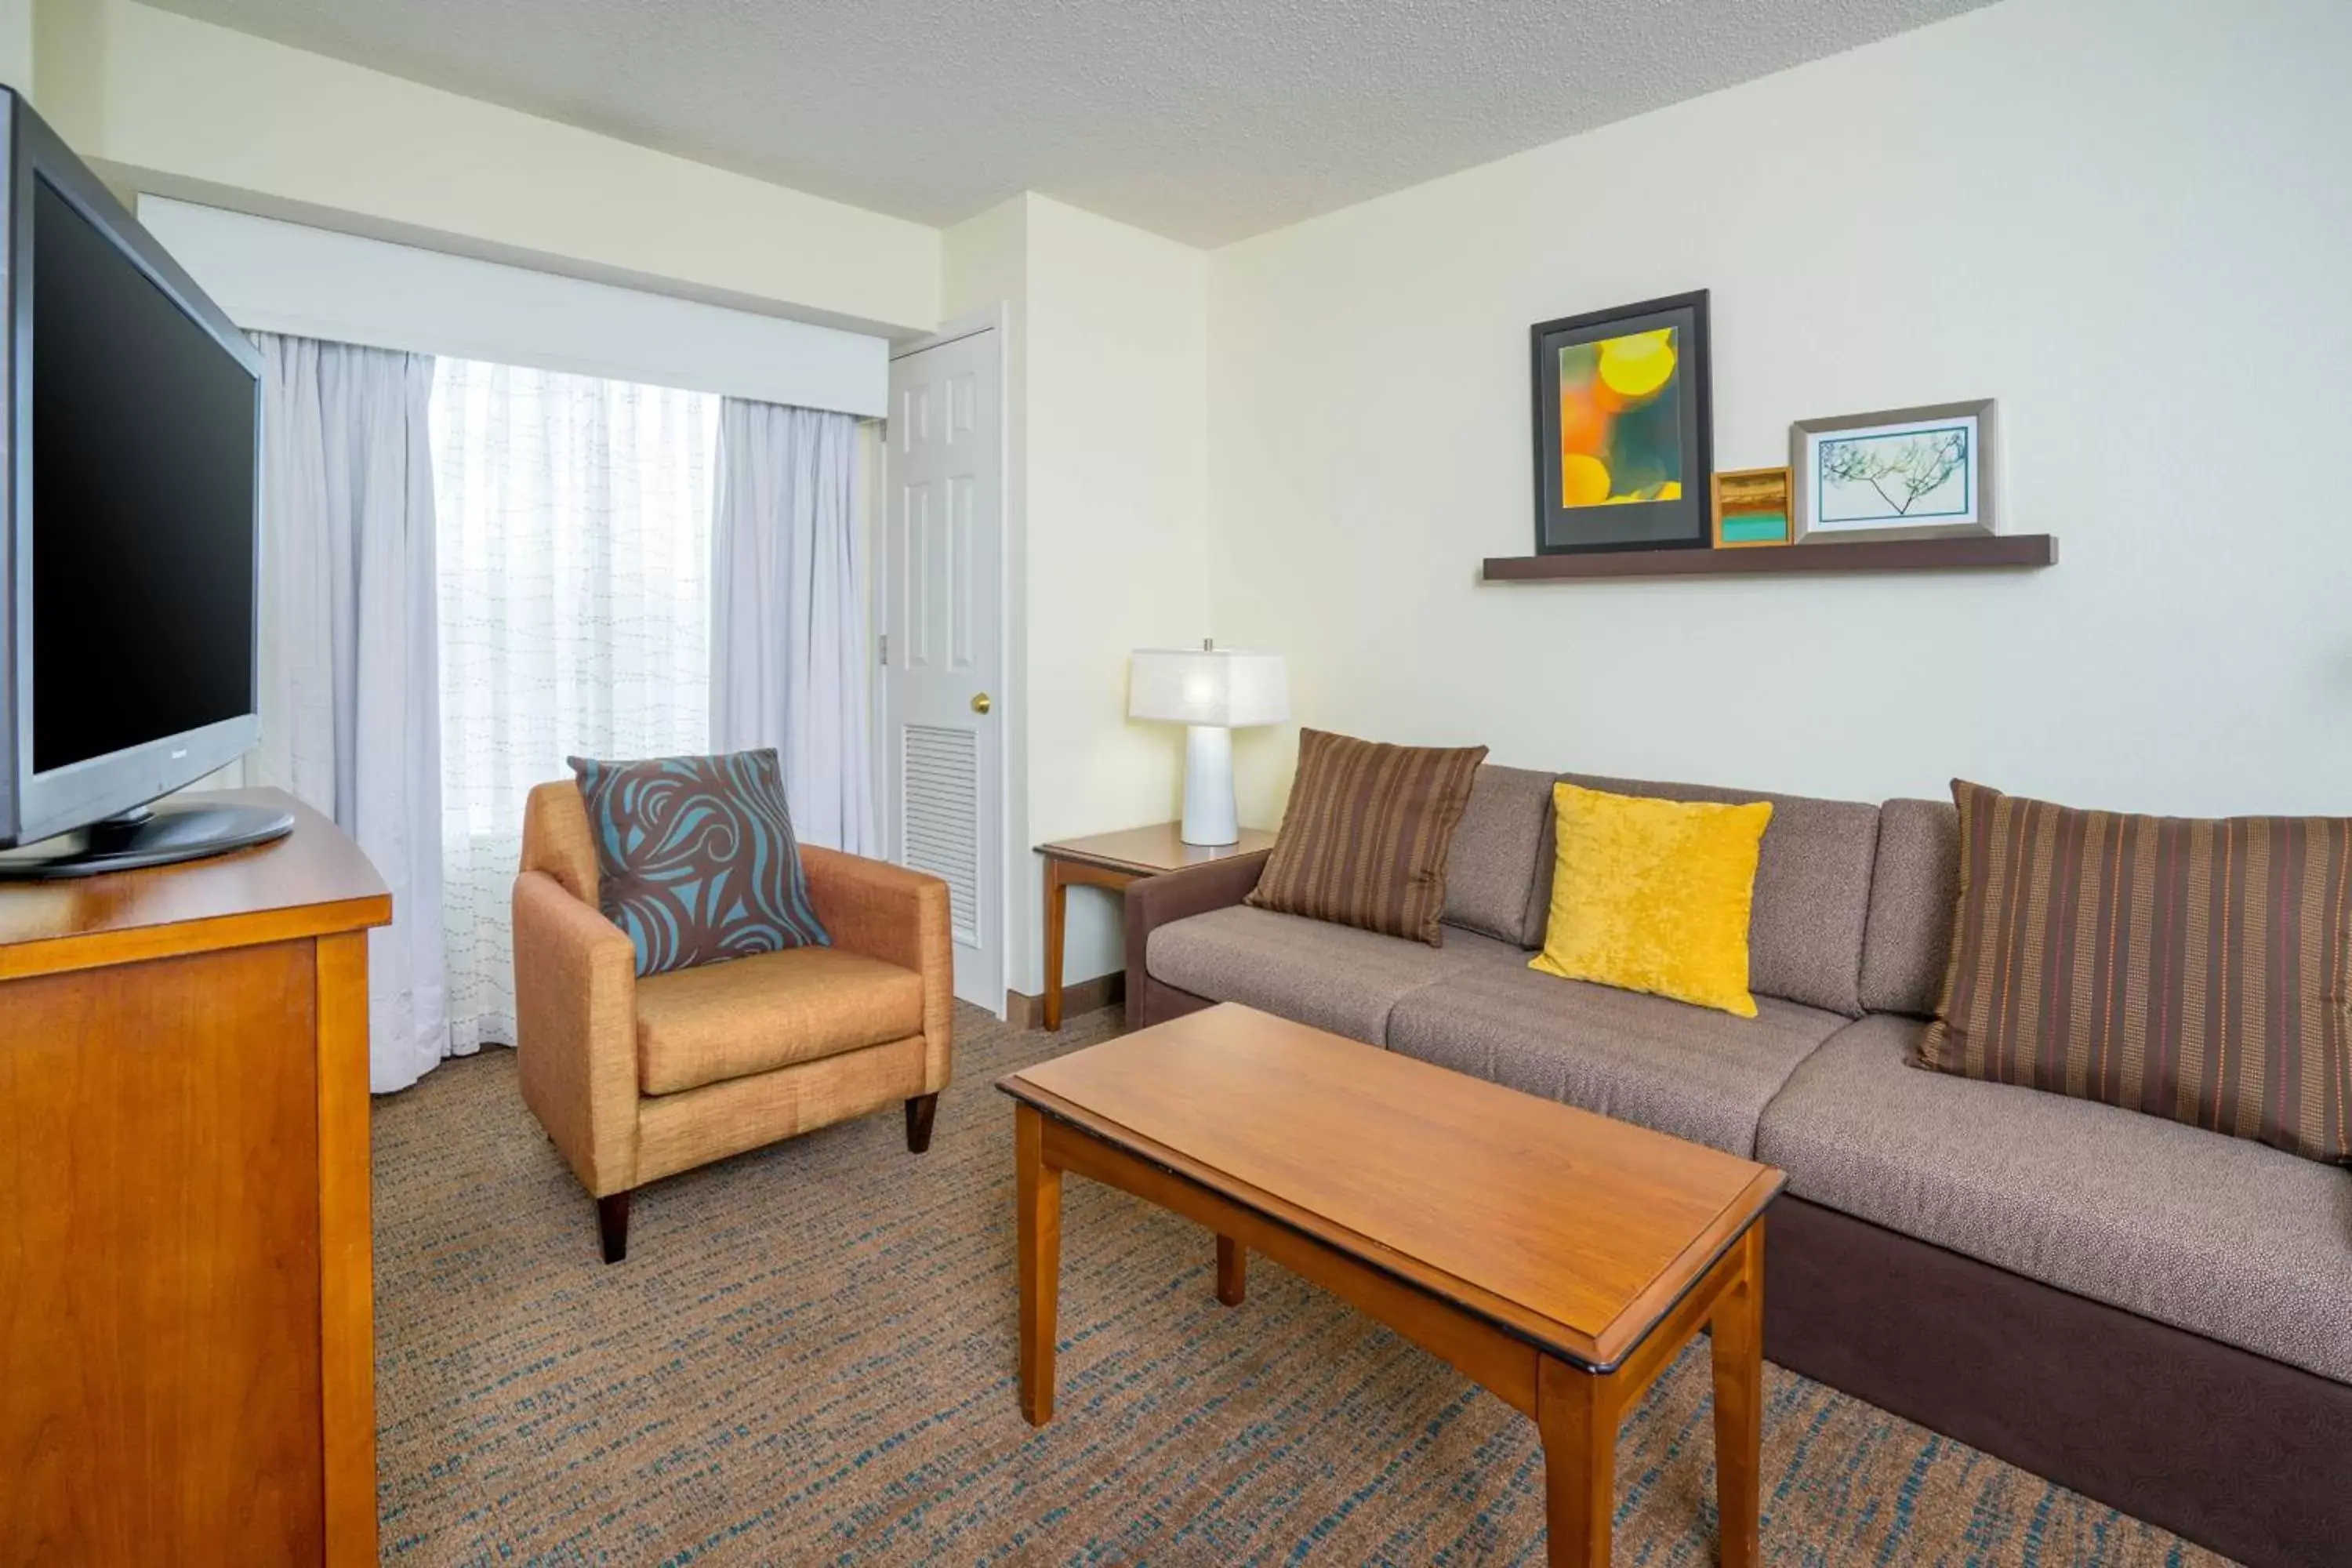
(1653, 895)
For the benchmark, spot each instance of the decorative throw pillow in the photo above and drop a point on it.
(2189, 969)
(1365, 840)
(695, 859)
(1654, 895)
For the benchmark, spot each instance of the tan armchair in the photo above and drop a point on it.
(637, 1079)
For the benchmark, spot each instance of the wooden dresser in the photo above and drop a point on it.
(186, 1318)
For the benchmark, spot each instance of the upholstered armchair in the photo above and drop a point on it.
(636, 1079)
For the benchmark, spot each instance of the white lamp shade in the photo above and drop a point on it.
(1208, 686)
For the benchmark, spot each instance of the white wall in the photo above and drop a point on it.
(2130, 222)
(180, 108)
(1118, 553)
(17, 49)
(1108, 432)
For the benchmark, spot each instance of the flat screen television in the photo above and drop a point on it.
(131, 536)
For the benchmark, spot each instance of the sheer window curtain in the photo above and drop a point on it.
(789, 656)
(574, 597)
(475, 571)
(350, 720)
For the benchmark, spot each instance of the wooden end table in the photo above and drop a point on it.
(1113, 860)
(1558, 1258)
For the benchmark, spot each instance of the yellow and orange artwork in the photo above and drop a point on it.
(1620, 420)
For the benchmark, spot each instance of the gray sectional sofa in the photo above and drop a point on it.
(2154, 1315)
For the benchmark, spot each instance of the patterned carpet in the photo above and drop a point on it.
(808, 1358)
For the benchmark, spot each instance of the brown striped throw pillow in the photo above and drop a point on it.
(2195, 970)
(1365, 840)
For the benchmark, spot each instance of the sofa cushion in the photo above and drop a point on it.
(2198, 969)
(1914, 886)
(1812, 890)
(1335, 977)
(1688, 1071)
(1654, 895)
(1365, 838)
(695, 858)
(2218, 1235)
(720, 1021)
(1501, 852)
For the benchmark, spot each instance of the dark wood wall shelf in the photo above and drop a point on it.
(1869, 556)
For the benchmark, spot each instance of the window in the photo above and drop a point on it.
(574, 564)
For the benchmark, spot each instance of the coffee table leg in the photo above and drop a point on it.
(1232, 1271)
(1739, 1406)
(1039, 1188)
(1576, 1415)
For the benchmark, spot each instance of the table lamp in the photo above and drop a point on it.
(1211, 690)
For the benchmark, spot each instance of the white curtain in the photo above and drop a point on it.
(575, 606)
(349, 719)
(788, 621)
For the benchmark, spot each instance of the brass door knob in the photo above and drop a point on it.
(981, 704)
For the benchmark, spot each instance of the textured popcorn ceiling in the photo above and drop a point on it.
(1203, 120)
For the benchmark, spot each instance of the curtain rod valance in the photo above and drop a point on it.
(276, 277)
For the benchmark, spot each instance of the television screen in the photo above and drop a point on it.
(142, 534)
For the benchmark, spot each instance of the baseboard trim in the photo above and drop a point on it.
(1023, 1011)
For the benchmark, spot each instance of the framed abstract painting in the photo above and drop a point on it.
(1623, 428)
(1906, 473)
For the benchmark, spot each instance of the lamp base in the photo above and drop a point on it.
(1209, 786)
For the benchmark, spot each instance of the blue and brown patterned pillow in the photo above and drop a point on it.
(695, 859)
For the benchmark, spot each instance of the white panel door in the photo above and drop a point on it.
(942, 625)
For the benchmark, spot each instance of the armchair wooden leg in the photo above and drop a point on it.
(920, 1111)
(613, 1226)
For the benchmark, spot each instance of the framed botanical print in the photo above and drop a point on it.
(1906, 473)
(1623, 437)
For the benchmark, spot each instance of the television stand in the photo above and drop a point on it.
(169, 832)
(186, 1321)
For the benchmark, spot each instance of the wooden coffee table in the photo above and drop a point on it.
(1559, 1258)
